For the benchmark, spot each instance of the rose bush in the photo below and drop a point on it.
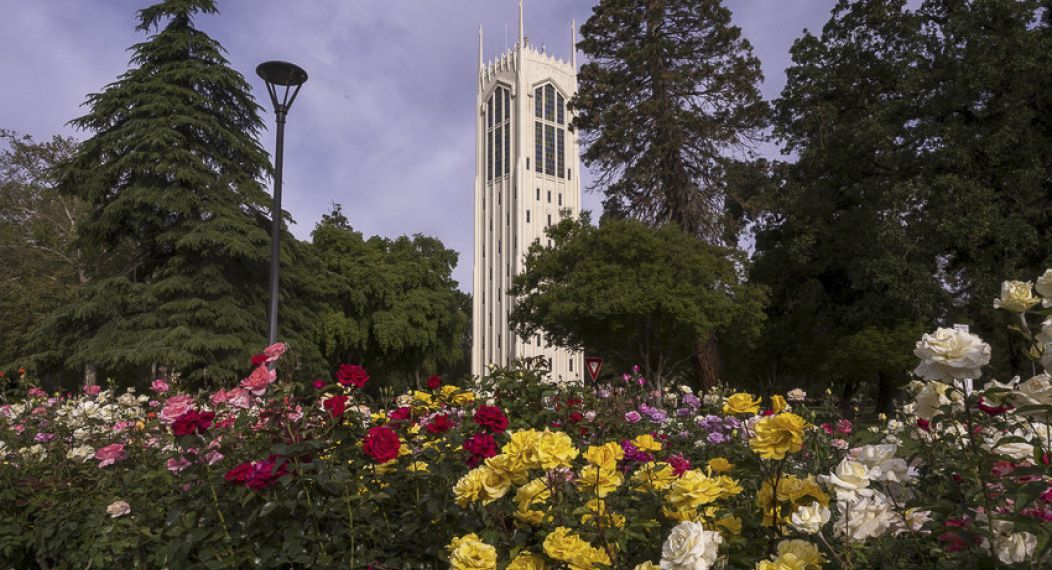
(519, 472)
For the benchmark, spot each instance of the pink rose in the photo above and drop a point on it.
(177, 465)
(175, 407)
(122, 425)
(258, 381)
(92, 390)
(840, 444)
(110, 454)
(220, 397)
(160, 386)
(632, 417)
(35, 392)
(274, 351)
(212, 457)
(239, 398)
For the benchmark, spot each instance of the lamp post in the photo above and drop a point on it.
(279, 74)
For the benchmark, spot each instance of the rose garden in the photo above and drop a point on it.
(836, 354)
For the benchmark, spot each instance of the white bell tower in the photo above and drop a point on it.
(527, 177)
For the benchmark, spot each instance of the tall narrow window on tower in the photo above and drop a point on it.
(498, 133)
(549, 131)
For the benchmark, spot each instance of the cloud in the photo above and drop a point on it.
(384, 125)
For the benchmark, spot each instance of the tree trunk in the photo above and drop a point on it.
(90, 375)
(885, 393)
(845, 398)
(708, 366)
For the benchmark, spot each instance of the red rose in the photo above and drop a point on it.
(992, 410)
(265, 473)
(923, 424)
(238, 474)
(192, 422)
(491, 417)
(434, 382)
(480, 446)
(575, 417)
(401, 414)
(352, 375)
(259, 360)
(336, 405)
(319, 384)
(439, 424)
(381, 443)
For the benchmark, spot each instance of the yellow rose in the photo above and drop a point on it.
(597, 508)
(778, 435)
(555, 449)
(527, 561)
(469, 488)
(522, 448)
(417, 467)
(741, 403)
(803, 551)
(792, 490)
(720, 465)
(599, 481)
(535, 492)
(1016, 296)
(468, 552)
(563, 545)
(495, 484)
(508, 465)
(783, 562)
(778, 404)
(606, 455)
(648, 565)
(694, 489)
(654, 476)
(646, 442)
(731, 524)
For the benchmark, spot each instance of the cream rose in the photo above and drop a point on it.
(947, 354)
(866, 517)
(810, 519)
(882, 463)
(118, 509)
(1035, 391)
(1016, 296)
(930, 398)
(849, 479)
(690, 547)
(1016, 548)
(1044, 288)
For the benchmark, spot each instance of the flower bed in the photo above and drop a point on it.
(520, 473)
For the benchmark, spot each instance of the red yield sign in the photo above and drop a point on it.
(594, 364)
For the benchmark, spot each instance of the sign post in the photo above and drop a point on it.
(593, 364)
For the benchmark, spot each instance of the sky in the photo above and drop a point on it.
(385, 124)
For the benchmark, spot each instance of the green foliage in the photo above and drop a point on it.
(172, 175)
(395, 306)
(667, 101)
(632, 293)
(42, 266)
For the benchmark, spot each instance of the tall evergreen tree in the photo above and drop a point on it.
(668, 100)
(173, 173)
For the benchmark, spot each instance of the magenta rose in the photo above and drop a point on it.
(159, 386)
(110, 454)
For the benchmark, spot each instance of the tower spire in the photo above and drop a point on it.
(480, 48)
(522, 28)
(573, 44)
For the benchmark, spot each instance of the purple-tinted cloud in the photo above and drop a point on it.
(384, 126)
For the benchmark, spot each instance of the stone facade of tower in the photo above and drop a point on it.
(527, 177)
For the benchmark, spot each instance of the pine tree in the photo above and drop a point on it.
(173, 173)
(668, 100)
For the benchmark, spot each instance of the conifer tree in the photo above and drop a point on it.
(173, 173)
(668, 100)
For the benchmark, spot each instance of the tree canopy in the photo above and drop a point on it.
(632, 293)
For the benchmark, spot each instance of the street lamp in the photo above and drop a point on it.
(291, 77)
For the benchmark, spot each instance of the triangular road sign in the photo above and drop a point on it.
(594, 365)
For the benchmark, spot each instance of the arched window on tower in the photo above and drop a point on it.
(498, 133)
(549, 132)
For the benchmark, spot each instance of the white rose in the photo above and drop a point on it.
(118, 509)
(1044, 288)
(850, 478)
(866, 517)
(796, 395)
(1035, 391)
(81, 453)
(1016, 296)
(690, 547)
(127, 400)
(1017, 450)
(1016, 547)
(947, 354)
(35, 451)
(930, 398)
(882, 463)
(809, 519)
(915, 519)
